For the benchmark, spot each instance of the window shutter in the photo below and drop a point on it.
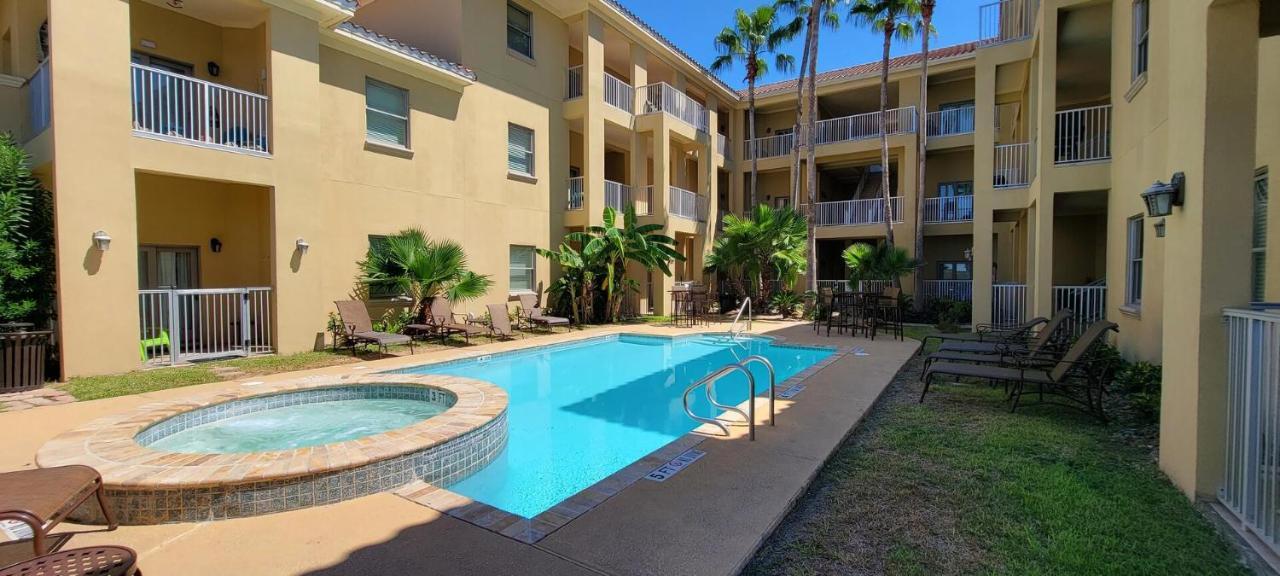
(519, 149)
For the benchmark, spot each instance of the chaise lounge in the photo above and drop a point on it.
(531, 314)
(358, 328)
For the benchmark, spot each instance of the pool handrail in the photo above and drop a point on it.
(773, 378)
(746, 305)
(708, 381)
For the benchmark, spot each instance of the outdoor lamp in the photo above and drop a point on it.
(302, 245)
(1160, 227)
(1160, 198)
(101, 241)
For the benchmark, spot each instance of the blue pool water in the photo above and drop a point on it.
(581, 412)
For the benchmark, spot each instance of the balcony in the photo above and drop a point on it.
(1082, 135)
(1253, 384)
(1006, 21)
(949, 122)
(954, 290)
(38, 108)
(617, 92)
(573, 83)
(618, 196)
(1012, 165)
(835, 130)
(1088, 303)
(178, 326)
(687, 204)
(575, 199)
(948, 209)
(856, 212)
(663, 97)
(179, 108)
(722, 146)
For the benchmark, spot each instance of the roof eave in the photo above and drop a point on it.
(347, 41)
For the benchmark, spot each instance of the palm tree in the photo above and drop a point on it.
(753, 36)
(879, 261)
(894, 19)
(411, 263)
(769, 244)
(922, 136)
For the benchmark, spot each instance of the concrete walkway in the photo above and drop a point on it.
(706, 520)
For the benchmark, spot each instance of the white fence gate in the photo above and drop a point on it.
(185, 325)
(1008, 304)
(1251, 481)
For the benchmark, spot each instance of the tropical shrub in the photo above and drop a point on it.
(786, 302)
(26, 240)
(762, 254)
(412, 264)
(877, 262)
(1141, 382)
(394, 320)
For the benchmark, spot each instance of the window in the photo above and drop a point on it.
(781, 202)
(956, 201)
(380, 290)
(955, 271)
(1258, 279)
(386, 114)
(519, 30)
(1133, 270)
(523, 274)
(1141, 23)
(519, 150)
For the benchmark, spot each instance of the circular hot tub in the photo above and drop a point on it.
(258, 450)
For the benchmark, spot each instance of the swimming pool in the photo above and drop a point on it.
(582, 411)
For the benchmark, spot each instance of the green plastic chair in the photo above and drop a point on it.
(161, 340)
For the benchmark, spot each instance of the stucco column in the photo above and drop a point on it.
(1040, 282)
(983, 184)
(707, 172)
(662, 156)
(593, 119)
(639, 140)
(94, 187)
(1211, 139)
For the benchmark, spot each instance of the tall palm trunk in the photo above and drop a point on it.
(884, 136)
(811, 168)
(795, 127)
(922, 137)
(751, 123)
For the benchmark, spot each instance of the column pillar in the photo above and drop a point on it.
(593, 119)
(639, 140)
(984, 189)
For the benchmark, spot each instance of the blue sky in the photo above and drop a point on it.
(692, 24)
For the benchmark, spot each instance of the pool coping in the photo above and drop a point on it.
(533, 530)
(109, 443)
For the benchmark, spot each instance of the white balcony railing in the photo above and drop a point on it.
(172, 106)
(838, 286)
(956, 290)
(950, 122)
(618, 196)
(643, 200)
(619, 94)
(687, 204)
(1083, 135)
(573, 83)
(864, 126)
(948, 209)
(1088, 304)
(856, 212)
(663, 97)
(39, 111)
(722, 145)
(1008, 304)
(768, 147)
(1012, 165)
(184, 325)
(575, 199)
(1252, 469)
(1006, 21)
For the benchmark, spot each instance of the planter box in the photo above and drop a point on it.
(22, 360)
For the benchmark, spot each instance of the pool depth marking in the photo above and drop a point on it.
(665, 471)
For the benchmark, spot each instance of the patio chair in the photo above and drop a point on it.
(43, 497)
(1047, 347)
(989, 332)
(531, 315)
(358, 328)
(1076, 379)
(94, 560)
(887, 313)
(500, 322)
(446, 322)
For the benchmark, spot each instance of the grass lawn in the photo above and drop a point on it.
(958, 485)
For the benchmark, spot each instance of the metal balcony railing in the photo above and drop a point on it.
(1082, 135)
(176, 107)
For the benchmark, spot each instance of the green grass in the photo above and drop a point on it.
(958, 485)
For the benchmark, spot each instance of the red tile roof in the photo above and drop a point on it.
(867, 69)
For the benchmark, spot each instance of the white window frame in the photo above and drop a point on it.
(532, 151)
(1141, 47)
(403, 116)
(1258, 243)
(1134, 249)
(527, 33)
(531, 271)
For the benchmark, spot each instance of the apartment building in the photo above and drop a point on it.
(1042, 137)
(220, 166)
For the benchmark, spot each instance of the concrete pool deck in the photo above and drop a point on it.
(708, 519)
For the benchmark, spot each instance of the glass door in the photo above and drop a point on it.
(168, 267)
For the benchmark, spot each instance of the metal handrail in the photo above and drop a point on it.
(773, 379)
(746, 305)
(708, 381)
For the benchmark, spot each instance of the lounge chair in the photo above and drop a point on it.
(1053, 333)
(1078, 380)
(532, 315)
(446, 322)
(95, 560)
(500, 322)
(359, 328)
(990, 332)
(43, 497)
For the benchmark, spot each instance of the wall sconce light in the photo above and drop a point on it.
(1160, 228)
(101, 241)
(215, 245)
(1160, 198)
(302, 245)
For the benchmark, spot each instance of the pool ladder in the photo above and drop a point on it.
(746, 305)
(707, 383)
